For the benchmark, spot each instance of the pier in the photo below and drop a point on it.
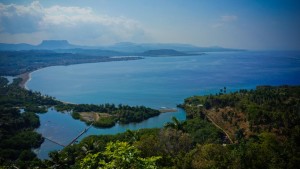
(80, 134)
(54, 142)
(73, 140)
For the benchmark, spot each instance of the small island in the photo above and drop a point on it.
(107, 115)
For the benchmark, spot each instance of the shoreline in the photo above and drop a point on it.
(168, 110)
(25, 78)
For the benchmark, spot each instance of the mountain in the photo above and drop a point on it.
(44, 45)
(21, 46)
(56, 44)
(123, 47)
(138, 48)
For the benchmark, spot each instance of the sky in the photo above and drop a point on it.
(243, 24)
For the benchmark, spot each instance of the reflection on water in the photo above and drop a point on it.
(62, 128)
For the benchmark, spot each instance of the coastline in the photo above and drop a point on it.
(25, 78)
(167, 110)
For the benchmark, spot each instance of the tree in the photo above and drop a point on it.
(119, 155)
(210, 156)
(175, 124)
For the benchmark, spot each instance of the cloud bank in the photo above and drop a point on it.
(77, 24)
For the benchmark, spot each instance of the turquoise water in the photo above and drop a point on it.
(165, 81)
(155, 82)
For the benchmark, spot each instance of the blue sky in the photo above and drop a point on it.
(247, 24)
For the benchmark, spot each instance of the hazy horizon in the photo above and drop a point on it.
(252, 25)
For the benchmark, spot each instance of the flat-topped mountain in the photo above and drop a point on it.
(56, 44)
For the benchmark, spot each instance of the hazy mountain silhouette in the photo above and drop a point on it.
(127, 47)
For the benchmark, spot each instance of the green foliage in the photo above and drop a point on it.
(14, 96)
(203, 131)
(265, 108)
(17, 136)
(25, 139)
(36, 109)
(31, 119)
(105, 122)
(175, 124)
(210, 156)
(273, 116)
(75, 115)
(118, 155)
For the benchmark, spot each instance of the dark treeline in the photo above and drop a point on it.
(13, 63)
(14, 96)
(17, 135)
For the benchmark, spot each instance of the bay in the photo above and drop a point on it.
(155, 82)
(165, 81)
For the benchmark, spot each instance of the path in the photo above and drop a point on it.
(210, 119)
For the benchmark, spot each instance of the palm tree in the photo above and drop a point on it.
(175, 124)
(90, 146)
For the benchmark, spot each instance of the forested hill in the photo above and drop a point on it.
(266, 109)
(13, 63)
(263, 124)
(164, 52)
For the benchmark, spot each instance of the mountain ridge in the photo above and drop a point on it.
(120, 47)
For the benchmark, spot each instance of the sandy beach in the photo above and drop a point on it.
(25, 77)
(167, 110)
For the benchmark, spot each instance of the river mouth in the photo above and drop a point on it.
(62, 128)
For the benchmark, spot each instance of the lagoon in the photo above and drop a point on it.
(154, 82)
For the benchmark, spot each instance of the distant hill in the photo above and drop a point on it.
(123, 47)
(21, 46)
(163, 52)
(135, 47)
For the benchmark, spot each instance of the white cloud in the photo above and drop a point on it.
(72, 23)
(20, 19)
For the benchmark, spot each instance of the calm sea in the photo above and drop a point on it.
(155, 82)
